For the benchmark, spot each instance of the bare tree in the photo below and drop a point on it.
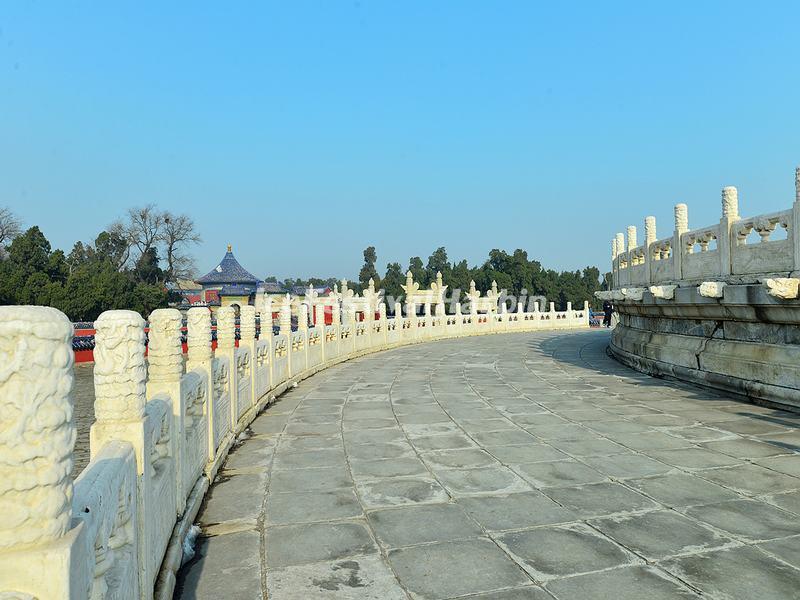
(177, 232)
(10, 225)
(145, 227)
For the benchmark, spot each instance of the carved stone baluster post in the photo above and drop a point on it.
(302, 317)
(382, 314)
(428, 320)
(411, 315)
(37, 436)
(226, 350)
(285, 318)
(200, 358)
(795, 232)
(681, 227)
(165, 362)
(730, 214)
(621, 254)
(247, 343)
(398, 319)
(119, 409)
(649, 239)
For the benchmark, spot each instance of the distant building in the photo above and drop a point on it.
(228, 284)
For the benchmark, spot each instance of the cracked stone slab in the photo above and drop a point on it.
(305, 507)
(355, 578)
(224, 566)
(489, 480)
(553, 552)
(599, 499)
(679, 489)
(431, 523)
(628, 583)
(748, 520)
(289, 545)
(398, 491)
(720, 574)
(563, 473)
(661, 534)
(430, 572)
(463, 458)
(234, 496)
(515, 511)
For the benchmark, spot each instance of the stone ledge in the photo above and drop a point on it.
(773, 369)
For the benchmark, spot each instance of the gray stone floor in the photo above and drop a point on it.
(504, 467)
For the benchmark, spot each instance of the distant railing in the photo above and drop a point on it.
(761, 245)
(163, 426)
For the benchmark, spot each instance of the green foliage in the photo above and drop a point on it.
(83, 284)
(393, 281)
(514, 272)
(368, 271)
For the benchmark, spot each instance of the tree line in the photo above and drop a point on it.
(515, 273)
(127, 266)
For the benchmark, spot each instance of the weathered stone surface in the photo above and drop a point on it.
(224, 566)
(365, 487)
(412, 525)
(720, 573)
(355, 578)
(557, 551)
(429, 571)
(660, 534)
(629, 583)
(297, 544)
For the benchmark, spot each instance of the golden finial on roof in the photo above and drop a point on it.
(229, 247)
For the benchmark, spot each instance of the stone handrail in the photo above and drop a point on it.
(162, 430)
(726, 251)
(715, 305)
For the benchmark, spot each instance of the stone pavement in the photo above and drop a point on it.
(505, 467)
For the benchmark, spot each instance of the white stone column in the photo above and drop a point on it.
(37, 436)
(285, 318)
(302, 318)
(398, 318)
(650, 238)
(119, 408)
(165, 369)
(36, 418)
(226, 349)
(619, 281)
(681, 227)
(200, 358)
(247, 340)
(730, 214)
(795, 233)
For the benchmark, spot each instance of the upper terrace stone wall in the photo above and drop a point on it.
(717, 305)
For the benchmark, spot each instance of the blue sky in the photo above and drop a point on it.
(302, 132)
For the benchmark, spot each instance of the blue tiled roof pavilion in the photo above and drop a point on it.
(230, 272)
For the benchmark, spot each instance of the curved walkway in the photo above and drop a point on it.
(506, 467)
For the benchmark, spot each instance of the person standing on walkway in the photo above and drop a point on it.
(608, 310)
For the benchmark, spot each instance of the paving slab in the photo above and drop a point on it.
(629, 583)
(224, 566)
(557, 551)
(433, 523)
(738, 574)
(297, 544)
(515, 511)
(661, 534)
(430, 571)
(355, 578)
